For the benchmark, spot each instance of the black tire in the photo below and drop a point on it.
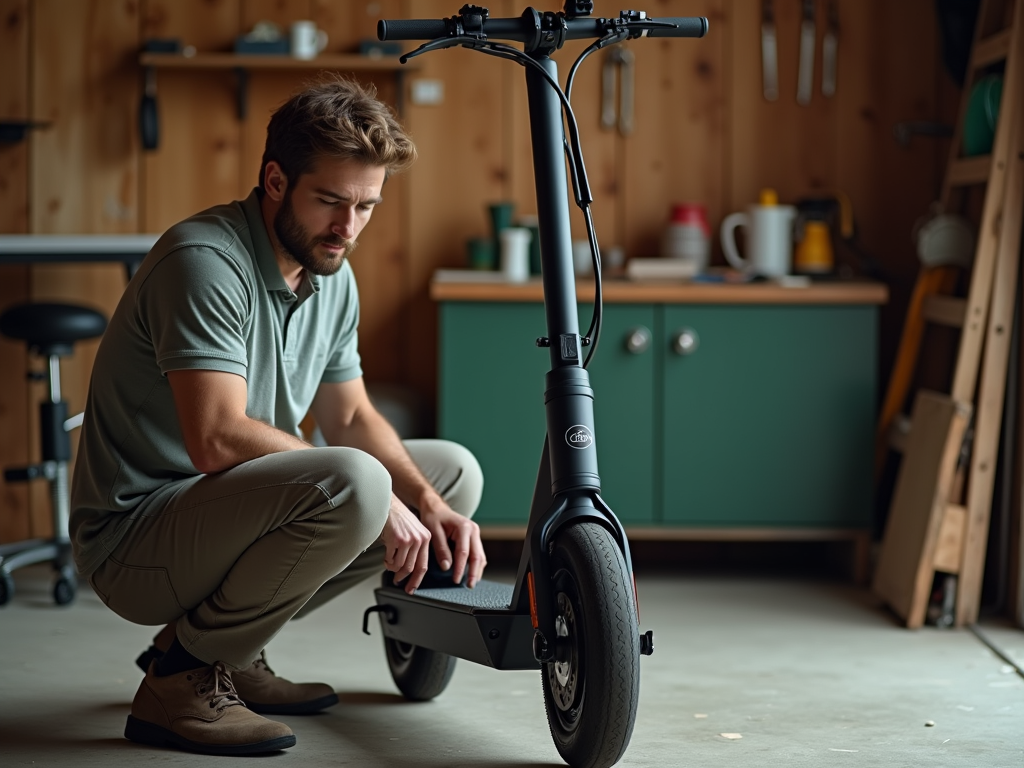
(419, 673)
(591, 691)
(64, 590)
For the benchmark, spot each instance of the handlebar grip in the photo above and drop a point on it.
(411, 29)
(685, 26)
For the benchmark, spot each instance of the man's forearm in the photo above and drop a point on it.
(240, 441)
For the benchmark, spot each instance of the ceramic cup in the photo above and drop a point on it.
(515, 254)
(307, 42)
(769, 241)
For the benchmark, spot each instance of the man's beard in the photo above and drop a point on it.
(300, 245)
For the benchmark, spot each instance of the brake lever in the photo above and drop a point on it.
(434, 45)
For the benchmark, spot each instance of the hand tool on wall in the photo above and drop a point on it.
(805, 73)
(618, 67)
(769, 52)
(830, 50)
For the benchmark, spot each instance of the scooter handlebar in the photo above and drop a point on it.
(411, 29)
(518, 30)
(685, 26)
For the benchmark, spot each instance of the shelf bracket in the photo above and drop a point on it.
(242, 92)
(15, 131)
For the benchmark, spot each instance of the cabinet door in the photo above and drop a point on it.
(768, 419)
(491, 400)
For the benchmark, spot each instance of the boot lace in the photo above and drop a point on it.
(261, 664)
(215, 684)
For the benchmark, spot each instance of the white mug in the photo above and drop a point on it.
(515, 253)
(306, 40)
(769, 239)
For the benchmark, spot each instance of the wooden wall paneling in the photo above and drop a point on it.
(676, 153)
(14, 280)
(460, 170)
(280, 12)
(346, 24)
(779, 144)
(888, 74)
(197, 162)
(84, 168)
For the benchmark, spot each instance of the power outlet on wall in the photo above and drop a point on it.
(425, 92)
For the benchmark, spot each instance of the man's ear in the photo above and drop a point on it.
(275, 182)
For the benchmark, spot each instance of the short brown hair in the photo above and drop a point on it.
(338, 118)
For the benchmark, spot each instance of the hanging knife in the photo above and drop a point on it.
(769, 52)
(830, 51)
(618, 66)
(805, 74)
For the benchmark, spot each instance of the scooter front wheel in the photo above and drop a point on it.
(592, 687)
(419, 673)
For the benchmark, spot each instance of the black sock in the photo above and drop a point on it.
(176, 660)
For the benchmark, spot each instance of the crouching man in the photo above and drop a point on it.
(196, 503)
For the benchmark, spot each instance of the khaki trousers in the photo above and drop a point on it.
(233, 556)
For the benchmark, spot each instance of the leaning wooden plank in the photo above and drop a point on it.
(992, 388)
(930, 282)
(905, 569)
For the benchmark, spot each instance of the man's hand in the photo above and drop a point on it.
(446, 524)
(406, 543)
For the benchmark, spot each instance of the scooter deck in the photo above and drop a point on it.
(477, 624)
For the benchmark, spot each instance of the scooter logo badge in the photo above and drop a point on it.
(579, 436)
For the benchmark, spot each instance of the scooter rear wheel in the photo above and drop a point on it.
(592, 688)
(419, 673)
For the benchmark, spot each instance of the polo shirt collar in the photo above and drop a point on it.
(263, 251)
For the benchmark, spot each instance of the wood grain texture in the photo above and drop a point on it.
(197, 163)
(676, 153)
(84, 168)
(462, 168)
(14, 281)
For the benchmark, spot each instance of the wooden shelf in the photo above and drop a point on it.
(241, 64)
(628, 291)
(343, 61)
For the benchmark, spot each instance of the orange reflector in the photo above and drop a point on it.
(533, 599)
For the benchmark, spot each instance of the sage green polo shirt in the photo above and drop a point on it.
(208, 296)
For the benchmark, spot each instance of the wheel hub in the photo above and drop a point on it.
(565, 669)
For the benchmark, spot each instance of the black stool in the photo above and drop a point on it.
(51, 331)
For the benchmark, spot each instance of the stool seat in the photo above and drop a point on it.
(52, 329)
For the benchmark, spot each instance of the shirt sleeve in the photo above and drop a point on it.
(343, 362)
(196, 304)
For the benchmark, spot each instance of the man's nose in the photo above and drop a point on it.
(344, 225)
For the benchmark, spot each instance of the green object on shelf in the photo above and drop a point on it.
(982, 114)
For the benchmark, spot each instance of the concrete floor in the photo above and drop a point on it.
(807, 672)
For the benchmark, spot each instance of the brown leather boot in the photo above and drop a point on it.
(199, 711)
(266, 693)
(261, 690)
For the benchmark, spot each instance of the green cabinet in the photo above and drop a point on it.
(745, 416)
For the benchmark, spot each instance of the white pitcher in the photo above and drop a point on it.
(769, 241)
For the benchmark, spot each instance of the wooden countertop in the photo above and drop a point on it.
(669, 292)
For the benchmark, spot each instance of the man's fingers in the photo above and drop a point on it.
(462, 546)
(441, 550)
(420, 567)
(477, 558)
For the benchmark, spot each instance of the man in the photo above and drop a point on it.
(195, 501)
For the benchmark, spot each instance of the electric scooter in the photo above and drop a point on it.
(572, 612)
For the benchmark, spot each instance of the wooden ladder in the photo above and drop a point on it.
(938, 519)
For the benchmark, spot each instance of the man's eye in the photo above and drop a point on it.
(328, 202)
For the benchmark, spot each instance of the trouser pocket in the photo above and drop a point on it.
(140, 594)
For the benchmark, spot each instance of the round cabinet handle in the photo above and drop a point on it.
(685, 342)
(638, 339)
